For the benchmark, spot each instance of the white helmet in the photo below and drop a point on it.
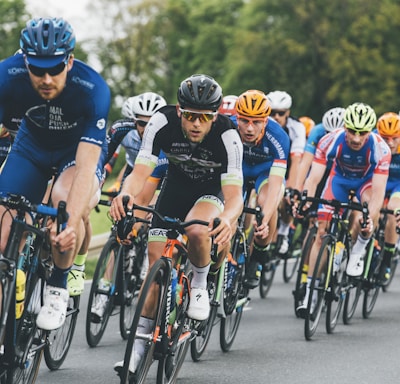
(279, 100)
(333, 118)
(145, 104)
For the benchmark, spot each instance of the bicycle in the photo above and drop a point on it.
(370, 282)
(121, 263)
(172, 331)
(226, 290)
(22, 342)
(329, 279)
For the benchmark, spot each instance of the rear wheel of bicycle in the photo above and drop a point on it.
(370, 296)
(301, 280)
(60, 339)
(318, 284)
(204, 328)
(336, 294)
(108, 260)
(393, 267)
(292, 260)
(268, 273)
(156, 283)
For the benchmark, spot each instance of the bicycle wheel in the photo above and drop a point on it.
(59, 340)
(234, 302)
(336, 294)
(156, 282)
(291, 261)
(312, 317)
(353, 294)
(393, 266)
(95, 325)
(300, 287)
(204, 328)
(268, 273)
(178, 343)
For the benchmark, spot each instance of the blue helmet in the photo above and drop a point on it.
(47, 41)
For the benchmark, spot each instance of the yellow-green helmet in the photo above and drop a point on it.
(360, 117)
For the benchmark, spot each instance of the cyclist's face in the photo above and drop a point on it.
(281, 116)
(356, 140)
(141, 123)
(393, 143)
(195, 129)
(49, 87)
(250, 129)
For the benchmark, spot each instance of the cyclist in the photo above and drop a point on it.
(389, 128)
(266, 150)
(128, 132)
(227, 107)
(281, 102)
(204, 181)
(62, 106)
(331, 120)
(308, 123)
(360, 162)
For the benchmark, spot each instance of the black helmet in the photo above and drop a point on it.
(200, 92)
(47, 41)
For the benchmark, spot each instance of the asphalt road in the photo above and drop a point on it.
(270, 348)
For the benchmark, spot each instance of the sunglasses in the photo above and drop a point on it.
(357, 133)
(280, 113)
(141, 123)
(192, 116)
(246, 120)
(52, 71)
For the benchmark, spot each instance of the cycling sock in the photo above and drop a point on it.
(145, 325)
(259, 253)
(360, 244)
(79, 262)
(59, 277)
(388, 253)
(283, 228)
(199, 279)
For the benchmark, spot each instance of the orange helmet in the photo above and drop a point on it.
(308, 122)
(389, 124)
(228, 105)
(253, 104)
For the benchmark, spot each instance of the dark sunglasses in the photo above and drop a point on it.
(141, 123)
(192, 116)
(52, 71)
(360, 133)
(280, 113)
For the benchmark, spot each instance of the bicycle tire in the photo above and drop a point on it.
(204, 328)
(393, 267)
(157, 278)
(300, 288)
(59, 340)
(95, 327)
(353, 294)
(292, 260)
(311, 320)
(267, 274)
(128, 297)
(336, 294)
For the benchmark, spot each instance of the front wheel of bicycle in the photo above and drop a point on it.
(393, 266)
(108, 261)
(353, 294)
(370, 296)
(267, 274)
(317, 290)
(59, 340)
(291, 261)
(336, 295)
(156, 284)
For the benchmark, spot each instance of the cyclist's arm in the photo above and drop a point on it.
(303, 170)
(295, 159)
(377, 197)
(315, 176)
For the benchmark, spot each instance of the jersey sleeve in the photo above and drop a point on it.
(234, 149)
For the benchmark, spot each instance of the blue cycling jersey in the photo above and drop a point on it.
(49, 131)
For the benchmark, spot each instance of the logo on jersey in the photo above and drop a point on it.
(101, 124)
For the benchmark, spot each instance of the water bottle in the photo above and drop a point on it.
(338, 256)
(20, 293)
(231, 270)
(174, 281)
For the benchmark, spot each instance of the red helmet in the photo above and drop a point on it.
(228, 105)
